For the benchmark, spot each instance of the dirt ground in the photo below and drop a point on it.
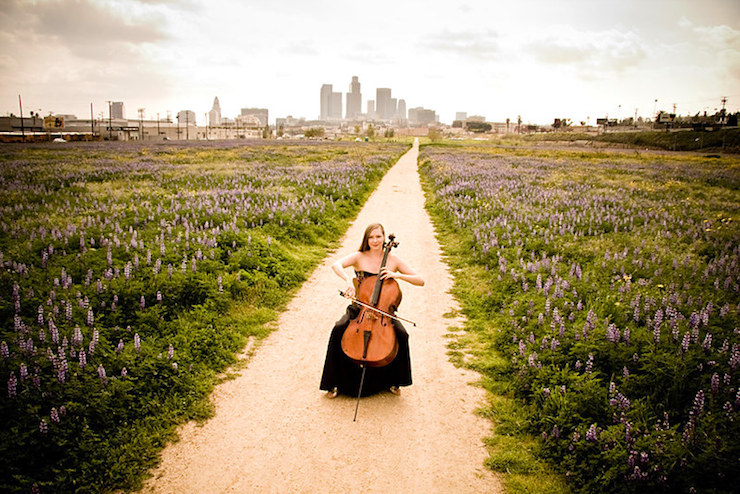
(274, 431)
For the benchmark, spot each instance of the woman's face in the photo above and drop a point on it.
(375, 239)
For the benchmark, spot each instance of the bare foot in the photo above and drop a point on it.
(333, 393)
(395, 390)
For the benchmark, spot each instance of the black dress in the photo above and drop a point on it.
(342, 373)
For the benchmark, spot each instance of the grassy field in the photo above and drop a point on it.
(602, 296)
(132, 276)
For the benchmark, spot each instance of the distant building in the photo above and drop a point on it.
(371, 108)
(117, 110)
(384, 106)
(214, 116)
(354, 99)
(422, 116)
(461, 115)
(261, 114)
(475, 118)
(402, 109)
(331, 104)
(335, 108)
(186, 117)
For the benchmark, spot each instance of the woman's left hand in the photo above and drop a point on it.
(385, 274)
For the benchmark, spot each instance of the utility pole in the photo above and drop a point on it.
(187, 125)
(23, 130)
(141, 124)
(158, 133)
(92, 123)
(110, 121)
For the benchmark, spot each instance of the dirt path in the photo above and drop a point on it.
(274, 431)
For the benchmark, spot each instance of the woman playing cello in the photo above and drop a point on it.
(342, 374)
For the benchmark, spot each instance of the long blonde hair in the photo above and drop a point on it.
(365, 245)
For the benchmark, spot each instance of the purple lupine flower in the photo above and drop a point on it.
(124, 372)
(735, 356)
(685, 343)
(699, 403)
(77, 337)
(715, 383)
(40, 317)
(23, 372)
(612, 333)
(555, 432)
(83, 359)
(4, 351)
(170, 352)
(12, 385)
(90, 317)
(137, 343)
(591, 433)
(707, 344)
(174, 365)
(589, 363)
(159, 296)
(54, 416)
(546, 392)
(101, 375)
(119, 347)
(142, 302)
(43, 427)
(93, 342)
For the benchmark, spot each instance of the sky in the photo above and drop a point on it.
(576, 59)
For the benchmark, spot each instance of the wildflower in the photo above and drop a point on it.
(159, 296)
(83, 359)
(699, 403)
(170, 352)
(555, 432)
(137, 343)
(685, 343)
(4, 351)
(591, 433)
(12, 385)
(715, 383)
(43, 427)
(546, 392)
(101, 375)
(54, 415)
(119, 347)
(124, 372)
(142, 302)
(90, 317)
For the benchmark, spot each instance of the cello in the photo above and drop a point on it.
(370, 338)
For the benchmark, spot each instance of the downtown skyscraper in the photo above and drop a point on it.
(354, 99)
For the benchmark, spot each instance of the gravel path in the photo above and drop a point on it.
(274, 431)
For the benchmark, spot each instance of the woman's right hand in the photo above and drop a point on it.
(349, 292)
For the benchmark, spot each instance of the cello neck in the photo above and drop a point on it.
(379, 282)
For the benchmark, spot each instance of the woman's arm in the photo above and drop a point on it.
(402, 272)
(339, 267)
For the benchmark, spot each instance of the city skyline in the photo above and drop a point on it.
(574, 59)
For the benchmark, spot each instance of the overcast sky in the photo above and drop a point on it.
(577, 59)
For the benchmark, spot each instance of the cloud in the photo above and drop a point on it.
(480, 45)
(606, 51)
(87, 28)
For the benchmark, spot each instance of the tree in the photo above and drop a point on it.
(389, 132)
(478, 127)
(370, 132)
(315, 132)
(434, 134)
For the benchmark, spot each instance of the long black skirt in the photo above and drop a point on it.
(342, 373)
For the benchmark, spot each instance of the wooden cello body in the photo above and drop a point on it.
(370, 338)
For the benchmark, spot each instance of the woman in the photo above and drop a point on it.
(341, 374)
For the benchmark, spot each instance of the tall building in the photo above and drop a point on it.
(261, 114)
(371, 108)
(116, 110)
(354, 99)
(335, 108)
(402, 109)
(214, 116)
(331, 104)
(383, 103)
(326, 91)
